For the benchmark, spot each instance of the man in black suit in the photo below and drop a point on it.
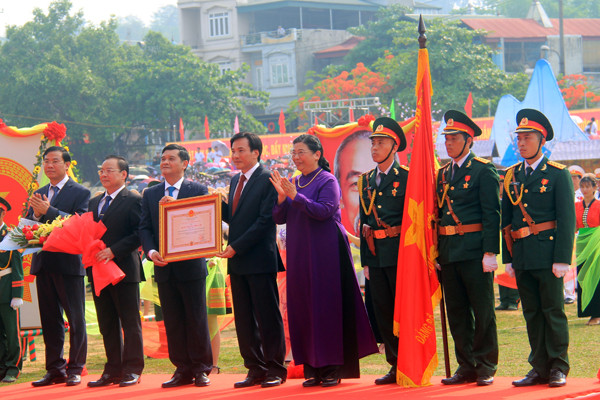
(181, 284)
(59, 276)
(253, 264)
(117, 306)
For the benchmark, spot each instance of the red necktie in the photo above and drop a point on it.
(238, 193)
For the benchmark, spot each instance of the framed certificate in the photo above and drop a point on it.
(190, 228)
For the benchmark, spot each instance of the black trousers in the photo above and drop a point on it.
(58, 292)
(186, 324)
(258, 324)
(120, 324)
(382, 284)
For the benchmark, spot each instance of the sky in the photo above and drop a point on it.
(18, 12)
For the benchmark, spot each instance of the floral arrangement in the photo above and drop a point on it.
(34, 236)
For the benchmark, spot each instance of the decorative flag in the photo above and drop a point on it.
(417, 287)
(206, 128)
(316, 121)
(393, 110)
(469, 105)
(181, 130)
(281, 122)
(236, 125)
(350, 115)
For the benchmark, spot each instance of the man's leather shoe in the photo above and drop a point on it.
(129, 380)
(458, 379)
(512, 307)
(178, 379)
(310, 382)
(387, 379)
(73, 380)
(485, 380)
(502, 307)
(249, 381)
(201, 379)
(272, 381)
(104, 380)
(49, 379)
(532, 378)
(557, 378)
(329, 382)
(9, 379)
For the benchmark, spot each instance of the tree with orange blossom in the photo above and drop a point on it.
(577, 91)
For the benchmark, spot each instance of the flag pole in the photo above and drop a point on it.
(423, 45)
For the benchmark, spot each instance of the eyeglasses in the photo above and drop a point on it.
(298, 153)
(106, 171)
(52, 162)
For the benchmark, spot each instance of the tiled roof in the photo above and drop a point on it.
(341, 49)
(522, 28)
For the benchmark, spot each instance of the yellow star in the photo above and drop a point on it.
(4, 194)
(415, 234)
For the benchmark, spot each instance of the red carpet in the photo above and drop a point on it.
(222, 388)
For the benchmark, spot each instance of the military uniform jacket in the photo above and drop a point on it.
(474, 194)
(389, 205)
(11, 285)
(547, 196)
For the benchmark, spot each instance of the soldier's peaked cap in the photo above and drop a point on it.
(387, 127)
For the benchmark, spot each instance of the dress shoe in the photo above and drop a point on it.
(532, 378)
(105, 380)
(311, 382)
(387, 379)
(49, 379)
(569, 300)
(129, 380)
(272, 381)
(557, 378)
(486, 380)
(459, 379)
(201, 379)
(9, 379)
(73, 379)
(329, 382)
(502, 307)
(249, 381)
(178, 379)
(512, 307)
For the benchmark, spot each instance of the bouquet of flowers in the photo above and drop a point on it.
(30, 234)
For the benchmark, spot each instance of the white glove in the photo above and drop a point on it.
(489, 262)
(437, 265)
(560, 269)
(509, 270)
(16, 302)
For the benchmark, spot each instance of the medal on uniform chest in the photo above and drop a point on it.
(396, 184)
(467, 179)
(543, 188)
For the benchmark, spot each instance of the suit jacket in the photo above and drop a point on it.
(389, 206)
(122, 221)
(547, 196)
(179, 271)
(252, 230)
(474, 193)
(71, 199)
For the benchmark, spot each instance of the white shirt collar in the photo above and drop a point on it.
(114, 194)
(249, 173)
(461, 161)
(387, 171)
(534, 165)
(62, 183)
(177, 184)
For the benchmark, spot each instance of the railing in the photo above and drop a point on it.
(272, 37)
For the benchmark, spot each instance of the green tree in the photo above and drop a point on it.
(131, 29)
(166, 21)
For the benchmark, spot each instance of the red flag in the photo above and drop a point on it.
(181, 130)
(469, 105)
(350, 115)
(281, 123)
(417, 287)
(206, 128)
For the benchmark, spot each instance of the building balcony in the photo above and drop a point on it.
(271, 37)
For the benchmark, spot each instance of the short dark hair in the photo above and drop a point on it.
(253, 141)
(65, 154)
(121, 162)
(183, 153)
(589, 179)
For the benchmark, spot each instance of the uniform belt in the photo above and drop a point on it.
(388, 232)
(534, 230)
(5, 272)
(450, 230)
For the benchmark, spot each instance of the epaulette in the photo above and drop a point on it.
(556, 165)
(404, 167)
(514, 166)
(482, 160)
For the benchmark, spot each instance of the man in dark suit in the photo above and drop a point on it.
(117, 306)
(59, 276)
(253, 264)
(181, 284)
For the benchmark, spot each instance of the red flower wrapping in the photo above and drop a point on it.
(80, 234)
(55, 131)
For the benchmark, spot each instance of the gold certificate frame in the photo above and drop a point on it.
(190, 228)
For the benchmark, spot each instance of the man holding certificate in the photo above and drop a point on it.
(181, 284)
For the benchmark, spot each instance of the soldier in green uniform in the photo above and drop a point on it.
(11, 298)
(468, 241)
(381, 205)
(538, 220)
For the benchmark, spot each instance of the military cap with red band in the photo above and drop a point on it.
(530, 120)
(458, 122)
(4, 204)
(387, 127)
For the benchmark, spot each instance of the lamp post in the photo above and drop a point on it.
(561, 65)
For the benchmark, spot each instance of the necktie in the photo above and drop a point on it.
(171, 189)
(529, 171)
(52, 194)
(381, 178)
(238, 193)
(455, 168)
(105, 206)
